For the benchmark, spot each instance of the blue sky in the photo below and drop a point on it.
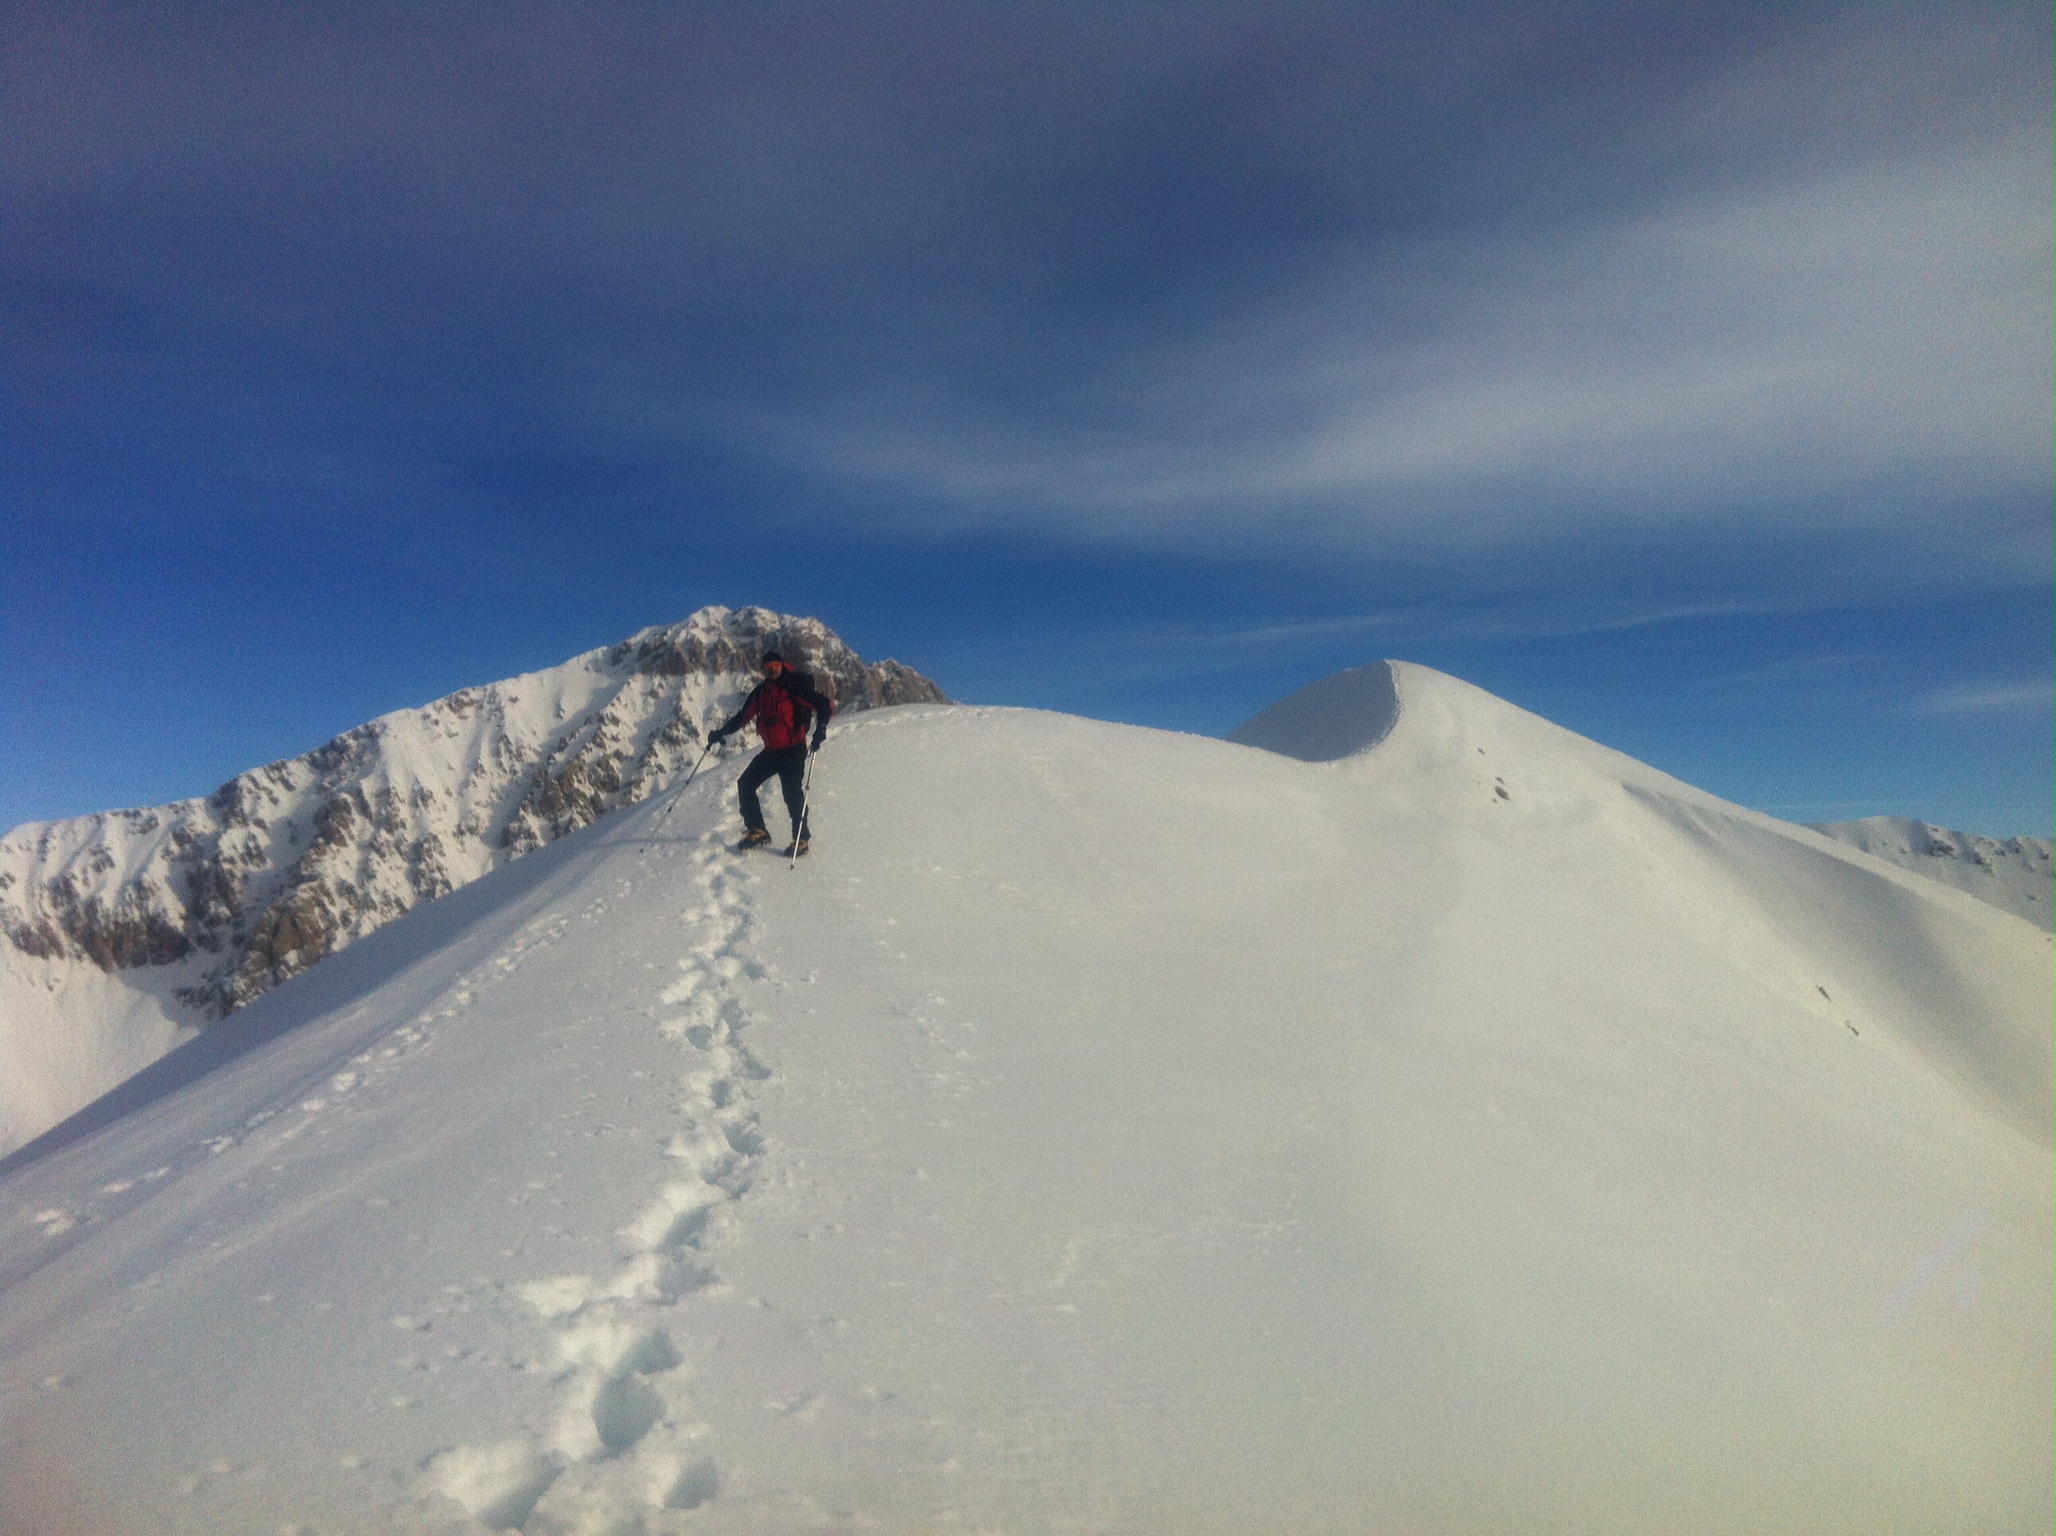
(1681, 372)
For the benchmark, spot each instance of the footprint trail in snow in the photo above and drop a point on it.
(626, 1445)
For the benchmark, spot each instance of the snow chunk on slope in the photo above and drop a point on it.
(497, 1485)
(1337, 717)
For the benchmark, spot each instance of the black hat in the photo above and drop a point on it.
(771, 656)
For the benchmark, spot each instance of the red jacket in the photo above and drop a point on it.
(783, 708)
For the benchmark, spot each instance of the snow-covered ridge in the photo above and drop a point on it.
(1103, 1129)
(1352, 711)
(195, 908)
(2014, 874)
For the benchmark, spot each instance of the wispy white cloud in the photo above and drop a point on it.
(1991, 698)
(1775, 355)
(1170, 650)
(1194, 648)
(1836, 668)
(1304, 632)
(1320, 277)
(1564, 621)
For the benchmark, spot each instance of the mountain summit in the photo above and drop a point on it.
(124, 929)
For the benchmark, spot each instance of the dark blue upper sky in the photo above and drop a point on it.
(1681, 372)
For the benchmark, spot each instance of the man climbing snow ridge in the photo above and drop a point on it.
(781, 705)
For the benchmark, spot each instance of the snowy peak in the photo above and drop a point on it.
(195, 908)
(1863, 945)
(1352, 711)
(2014, 874)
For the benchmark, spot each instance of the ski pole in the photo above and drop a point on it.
(806, 791)
(661, 815)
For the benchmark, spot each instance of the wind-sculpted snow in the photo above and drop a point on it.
(1076, 1141)
(2014, 874)
(194, 909)
(1337, 717)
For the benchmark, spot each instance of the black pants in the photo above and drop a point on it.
(790, 764)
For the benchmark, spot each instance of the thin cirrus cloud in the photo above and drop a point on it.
(1347, 277)
(1886, 326)
(2029, 698)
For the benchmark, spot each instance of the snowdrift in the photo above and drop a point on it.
(1102, 1129)
(1339, 716)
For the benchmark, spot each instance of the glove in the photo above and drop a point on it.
(819, 737)
(715, 738)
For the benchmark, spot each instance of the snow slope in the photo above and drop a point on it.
(122, 933)
(2014, 874)
(1103, 1130)
(1339, 716)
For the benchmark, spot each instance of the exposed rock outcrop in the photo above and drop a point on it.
(290, 862)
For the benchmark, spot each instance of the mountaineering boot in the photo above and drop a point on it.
(756, 837)
(794, 849)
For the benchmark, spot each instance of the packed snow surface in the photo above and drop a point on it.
(1101, 1130)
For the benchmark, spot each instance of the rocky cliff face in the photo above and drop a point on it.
(290, 862)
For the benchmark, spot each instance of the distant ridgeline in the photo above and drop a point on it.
(2013, 874)
(290, 862)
